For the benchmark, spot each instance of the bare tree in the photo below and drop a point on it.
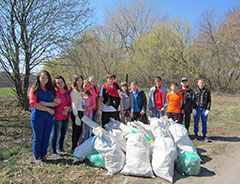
(33, 31)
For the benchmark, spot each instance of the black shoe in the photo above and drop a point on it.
(44, 159)
(206, 139)
(196, 138)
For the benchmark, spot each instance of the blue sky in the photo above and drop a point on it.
(189, 10)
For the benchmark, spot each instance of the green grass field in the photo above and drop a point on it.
(6, 92)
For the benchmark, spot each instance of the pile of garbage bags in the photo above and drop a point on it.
(138, 149)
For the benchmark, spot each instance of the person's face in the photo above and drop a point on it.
(201, 84)
(43, 79)
(124, 88)
(173, 88)
(92, 81)
(158, 82)
(134, 86)
(110, 80)
(60, 84)
(184, 84)
(79, 82)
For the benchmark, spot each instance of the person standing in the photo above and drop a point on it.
(128, 104)
(140, 103)
(77, 109)
(174, 99)
(157, 98)
(88, 106)
(95, 95)
(41, 99)
(62, 113)
(187, 103)
(110, 99)
(201, 108)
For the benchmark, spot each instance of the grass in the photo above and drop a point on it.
(6, 92)
(16, 157)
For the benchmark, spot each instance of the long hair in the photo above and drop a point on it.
(49, 86)
(74, 83)
(86, 84)
(122, 85)
(59, 77)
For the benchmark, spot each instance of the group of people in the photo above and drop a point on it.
(53, 103)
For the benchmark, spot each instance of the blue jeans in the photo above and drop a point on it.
(94, 116)
(200, 113)
(157, 113)
(58, 134)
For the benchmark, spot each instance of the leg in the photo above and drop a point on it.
(154, 113)
(62, 134)
(55, 134)
(181, 118)
(48, 124)
(76, 131)
(196, 120)
(187, 120)
(37, 127)
(105, 118)
(94, 116)
(161, 113)
(204, 123)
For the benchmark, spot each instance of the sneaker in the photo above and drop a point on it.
(62, 152)
(54, 156)
(206, 139)
(196, 138)
(44, 159)
(38, 161)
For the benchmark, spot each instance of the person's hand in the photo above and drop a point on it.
(78, 121)
(87, 109)
(42, 103)
(183, 111)
(67, 108)
(121, 113)
(131, 114)
(142, 112)
(162, 109)
(51, 111)
(58, 100)
(194, 112)
(207, 112)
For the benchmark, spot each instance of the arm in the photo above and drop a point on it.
(74, 103)
(144, 108)
(209, 101)
(150, 100)
(55, 102)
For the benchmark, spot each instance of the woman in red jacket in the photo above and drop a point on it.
(62, 112)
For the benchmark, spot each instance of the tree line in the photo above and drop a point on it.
(135, 39)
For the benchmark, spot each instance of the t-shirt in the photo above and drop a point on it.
(174, 102)
(158, 98)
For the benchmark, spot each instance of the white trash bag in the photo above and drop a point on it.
(164, 152)
(137, 156)
(81, 152)
(113, 155)
(181, 138)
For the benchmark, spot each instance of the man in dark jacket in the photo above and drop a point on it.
(187, 103)
(140, 103)
(201, 107)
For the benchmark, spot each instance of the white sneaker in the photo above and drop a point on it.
(38, 161)
(54, 156)
(61, 152)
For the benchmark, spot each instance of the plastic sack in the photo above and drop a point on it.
(189, 163)
(96, 159)
(81, 152)
(181, 138)
(137, 156)
(112, 153)
(164, 152)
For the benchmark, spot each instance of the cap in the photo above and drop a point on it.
(183, 79)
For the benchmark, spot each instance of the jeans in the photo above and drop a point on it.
(157, 113)
(58, 134)
(200, 113)
(94, 116)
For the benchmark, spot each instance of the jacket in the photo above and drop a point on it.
(65, 102)
(202, 98)
(151, 104)
(141, 100)
(187, 99)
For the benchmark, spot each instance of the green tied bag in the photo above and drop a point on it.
(96, 159)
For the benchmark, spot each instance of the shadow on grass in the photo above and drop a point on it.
(204, 173)
(225, 139)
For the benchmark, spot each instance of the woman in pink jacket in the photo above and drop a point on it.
(62, 112)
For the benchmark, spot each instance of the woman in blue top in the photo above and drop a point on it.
(41, 99)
